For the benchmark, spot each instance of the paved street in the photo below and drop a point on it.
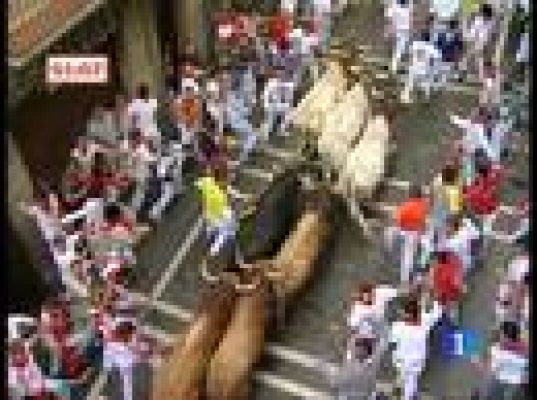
(168, 266)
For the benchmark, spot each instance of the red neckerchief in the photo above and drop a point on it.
(112, 226)
(20, 358)
(519, 348)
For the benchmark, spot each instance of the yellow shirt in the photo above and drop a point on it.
(454, 198)
(214, 198)
(470, 6)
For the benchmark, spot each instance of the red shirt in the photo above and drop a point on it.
(72, 362)
(447, 280)
(412, 214)
(280, 28)
(481, 196)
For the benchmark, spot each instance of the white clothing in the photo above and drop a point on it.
(518, 268)
(92, 211)
(225, 228)
(445, 8)
(400, 17)
(361, 312)
(425, 58)
(14, 323)
(277, 101)
(479, 33)
(523, 52)
(322, 6)
(189, 84)
(288, 6)
(504, 294)
(122, 357)
(143, 111)
(143, 157)
(411, 345)
(507, 366)
(278, 94)
(28, 380)
(410, 354)
(461, 243)
(303, 44)
(425, 68)
(474, 136)
(64, 260)
(49, 225)
(408, 253)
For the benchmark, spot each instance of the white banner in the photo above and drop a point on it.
(77, 69)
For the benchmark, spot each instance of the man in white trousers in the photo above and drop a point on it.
(277, 103)
(410, 339)
(399, 14)
(424, 69)
(120, 353)
(322, 13)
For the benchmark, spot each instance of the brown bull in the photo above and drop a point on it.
(242, 345)
(296, 260)
(181, 376)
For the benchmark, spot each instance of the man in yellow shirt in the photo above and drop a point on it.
(216, 211)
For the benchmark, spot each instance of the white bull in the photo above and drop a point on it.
(365, 164)
(342, 127)
(311, 111)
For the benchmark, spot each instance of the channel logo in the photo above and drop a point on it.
(62, 69)
(460, 343)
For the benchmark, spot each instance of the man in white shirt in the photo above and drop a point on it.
(277, 102)
(424, 69)
(166, 171)
(518, 268)
(288, 6)
(119, 353)
(478, 36)
(322, 11)
(143, 159)
(92, 212)
(48, 222)
(236, 114)
(523, 52)
(214, 103)
(410, 339)
(473, 138)
(141, 111)
(368, 309)
(461, 235)
(399, 13)
(304, 44)
(508, 365)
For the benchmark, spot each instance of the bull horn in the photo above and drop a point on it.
(206, 275)
(255, 279)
